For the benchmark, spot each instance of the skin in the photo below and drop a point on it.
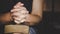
(36, 14)
(19, 33)
(5, 17)
(33, 18)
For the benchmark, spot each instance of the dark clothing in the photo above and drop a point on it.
(7, 5)
(1, 28)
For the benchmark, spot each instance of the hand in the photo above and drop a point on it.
(19, 13)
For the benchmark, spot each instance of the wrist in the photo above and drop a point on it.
(32, 20)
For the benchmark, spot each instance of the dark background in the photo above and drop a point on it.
(51, 18)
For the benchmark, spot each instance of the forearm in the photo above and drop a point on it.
(37, 7)
(34, 19)
(5, 17)
(36, 14)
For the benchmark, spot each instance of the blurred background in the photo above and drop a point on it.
(51, 17)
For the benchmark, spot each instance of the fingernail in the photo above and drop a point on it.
(11, 10)
(15, 6)
(19, 3)
(22, 4)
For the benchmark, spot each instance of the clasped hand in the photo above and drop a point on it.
(19, 13)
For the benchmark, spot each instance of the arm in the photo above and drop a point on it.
(5, 17)
(36, 14)
(37, 7)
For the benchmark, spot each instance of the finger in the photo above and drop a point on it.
(15, 18)
(15, 10)
(23, 20)
(19, 4)
(19, 17)
(24, 12)
(28, 19)
(17, 14)
(17, 22)
(18, 9)
(20, 13)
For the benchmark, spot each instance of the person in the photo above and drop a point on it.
(19, 12)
